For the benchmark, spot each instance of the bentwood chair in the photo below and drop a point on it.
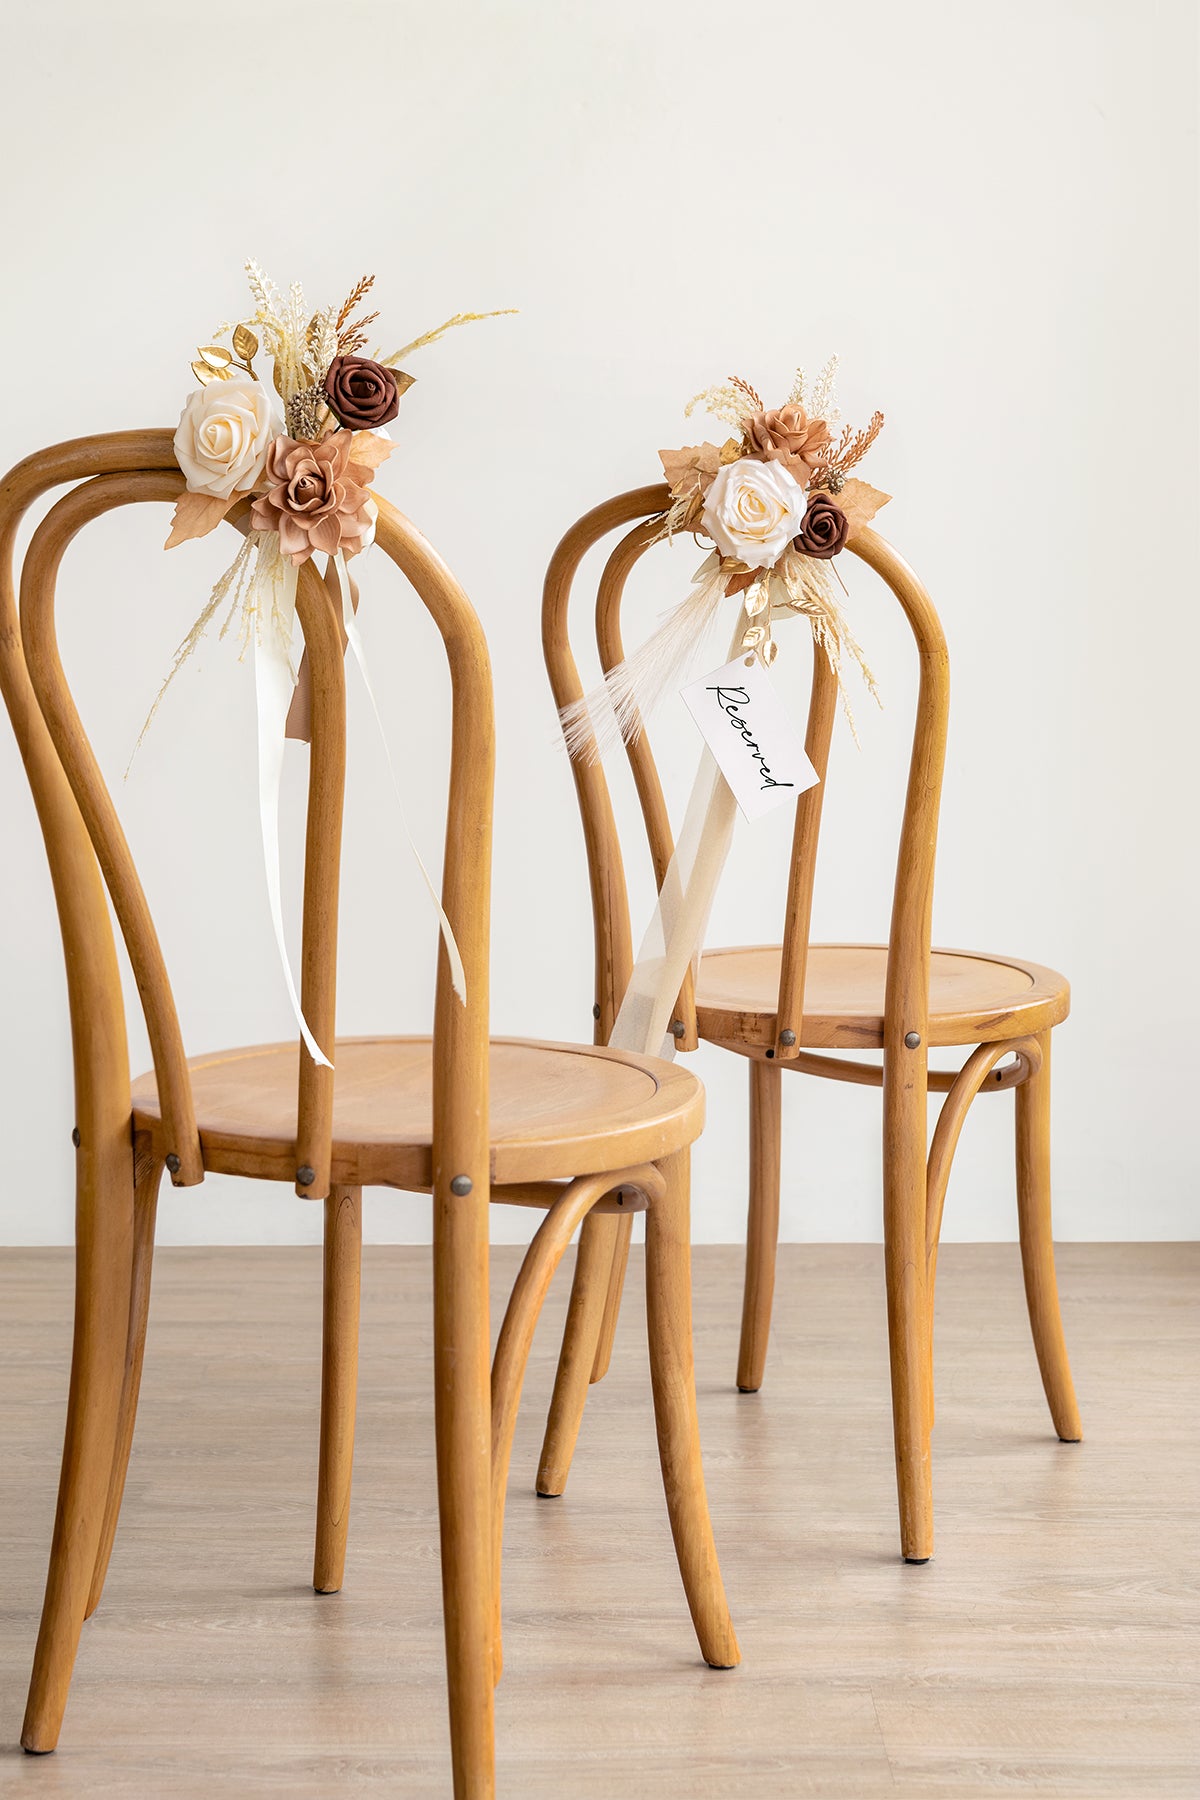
(566, 1129)
(788, 1005)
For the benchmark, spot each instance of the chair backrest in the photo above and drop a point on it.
(906, 1006)
(88, 851)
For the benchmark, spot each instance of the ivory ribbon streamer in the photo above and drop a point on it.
(675, 935)
(354, 638)
(274, 681)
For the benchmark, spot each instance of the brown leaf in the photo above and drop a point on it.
(860, 502)
(369, 450)
(196, 515)
(691, 470)
(737, 584)
(403, 381)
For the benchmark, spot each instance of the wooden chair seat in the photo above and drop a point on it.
(973, 998)
(555, 1111)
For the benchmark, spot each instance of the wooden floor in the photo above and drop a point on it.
(1049, 1648)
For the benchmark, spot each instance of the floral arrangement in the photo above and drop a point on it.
(778, 502)
(301, 448)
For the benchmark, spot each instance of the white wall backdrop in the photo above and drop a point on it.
(989, 211)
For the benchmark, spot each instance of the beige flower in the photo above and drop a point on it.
(753, 511)
(224, 433)
(317, 498)
(786, 434)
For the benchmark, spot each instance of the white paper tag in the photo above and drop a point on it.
(750, 732)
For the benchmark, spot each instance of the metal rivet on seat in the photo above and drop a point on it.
(75, 1137)
(462, 1184)
(305, 1176)
(912, 1040)
(677, 1028)
(596, 1010)
(787, 1039)
(172, 1163)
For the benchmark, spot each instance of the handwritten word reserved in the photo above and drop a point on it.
(729, 700)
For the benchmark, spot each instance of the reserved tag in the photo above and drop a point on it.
(751, 733)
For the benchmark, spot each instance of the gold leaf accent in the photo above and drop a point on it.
(245, 343)
(753, 636)
(732, 450)
(403, 381)
(215, 355)
(205, 373)
(756, 599)
(277, 378)
(770, 651)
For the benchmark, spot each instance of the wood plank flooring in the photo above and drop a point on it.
(1049, 1649)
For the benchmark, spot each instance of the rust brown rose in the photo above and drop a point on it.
(361, 394)
(316, 498)
(787, 435)
(824, 529)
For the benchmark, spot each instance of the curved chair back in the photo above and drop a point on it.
(87, 849)
(907, 1002)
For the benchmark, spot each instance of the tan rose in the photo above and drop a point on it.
(786, 434)
(317, 498)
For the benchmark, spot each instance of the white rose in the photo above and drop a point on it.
(224, 433)
(753, 511)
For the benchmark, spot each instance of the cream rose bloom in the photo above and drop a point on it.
(753, 511)
(225, 431)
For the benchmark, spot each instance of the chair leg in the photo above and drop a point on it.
(669, 1316)
(1037, 1247)
(339, 1383)
(537, 1270)
(103, 1274)
(762, 1225)
(577, 1356)
(905, 1131)
(145, 1212)
(462, 1412)
(612, 1303)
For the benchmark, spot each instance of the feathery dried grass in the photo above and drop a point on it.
(430, 337)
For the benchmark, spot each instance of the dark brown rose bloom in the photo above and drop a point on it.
(824, 530)
(316, 499)
(787, 435)
(361, 394)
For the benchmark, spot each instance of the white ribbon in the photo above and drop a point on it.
(274, 681)
(354, 636)
(675, 935)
